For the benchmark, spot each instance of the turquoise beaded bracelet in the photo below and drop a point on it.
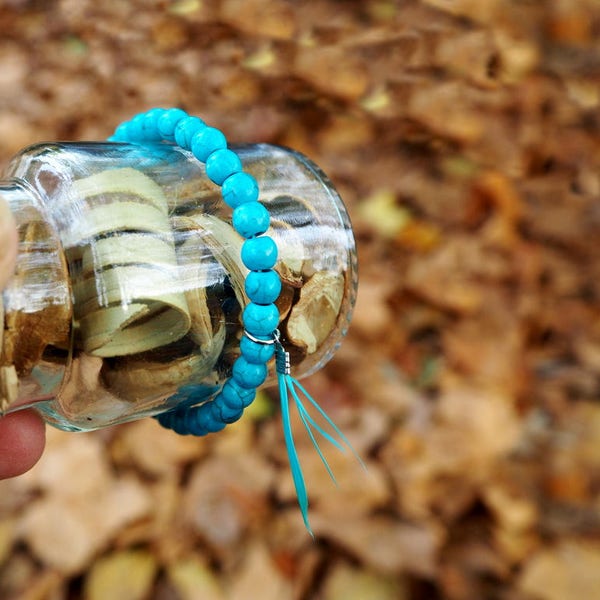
(261, 340)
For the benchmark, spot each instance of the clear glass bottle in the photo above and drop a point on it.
(129, 285)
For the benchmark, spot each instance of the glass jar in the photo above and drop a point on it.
(129, 286)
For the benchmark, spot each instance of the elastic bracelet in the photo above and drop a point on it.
(260, 318)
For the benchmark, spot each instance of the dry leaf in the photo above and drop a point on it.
(258, 577)
(7, 535)
(154, 449)
(72, 465)
(569, 571)
(358, 492)
(126, 575)
(194, 580)
(348, 583)
(384, 544)
(66, 532)
(225, 496)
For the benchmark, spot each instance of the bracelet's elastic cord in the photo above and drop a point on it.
(261, 340)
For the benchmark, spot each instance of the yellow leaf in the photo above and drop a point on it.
(381, 212)
(193, 580)
(126, 575)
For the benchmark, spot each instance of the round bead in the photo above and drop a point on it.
(135, 128)
(200, 420)
(186, 129)
(167, 419)
(260, 253)
(236, 396)
(263, 287)
(168, 121)
(247, 374)
(260, 319)
(221, 164)
(250, 219)
(121, 133)
(150, 124)
(179, 423)
(255, 352)
(206, 141)
(175, 420)
(223, 413)
(238, 189)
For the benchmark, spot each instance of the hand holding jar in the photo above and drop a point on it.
(22, 434)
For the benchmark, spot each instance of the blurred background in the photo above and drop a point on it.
(464, 137)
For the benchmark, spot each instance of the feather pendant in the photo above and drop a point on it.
(288, 385)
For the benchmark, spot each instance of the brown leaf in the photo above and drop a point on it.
(568, 571)
(441, 277)
(7, 535)
(258, 577)
(358, 491)
(225, 496)
(154, 449)
(446, 109)
(72, 465)
(333, 70)
(384, 544)
(66, 532)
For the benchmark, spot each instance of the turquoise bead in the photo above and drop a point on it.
(238, 189)
(201, 421)
(260, 319)
(236, 396)
(121, 133)
(175, 420)
(250, 219)
(222, 413)
(186, 129)
(221, 164)
(168, 121)
(206, 141)
(260, 253)
(256, 353)
(263, 287)
(136, 128)
(247, 374)
(150, 124)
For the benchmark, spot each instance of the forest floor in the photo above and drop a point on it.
(464, 138)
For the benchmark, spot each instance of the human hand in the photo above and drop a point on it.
(22, 434)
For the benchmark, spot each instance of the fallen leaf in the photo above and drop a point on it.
(568, 571)
(154, 449)
(348, 583)
(65, 533)
(194, 580)
(7, 536)
(383, 214)
(72, 465)
(383, 543)
(358, 491)
(126, 575)
(225, 496)
(258, 578)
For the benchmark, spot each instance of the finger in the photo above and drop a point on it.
(22, 440)
(8, 243)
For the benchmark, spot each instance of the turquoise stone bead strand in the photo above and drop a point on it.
(250, 219)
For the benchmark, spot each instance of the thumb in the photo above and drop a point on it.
(8, 243)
